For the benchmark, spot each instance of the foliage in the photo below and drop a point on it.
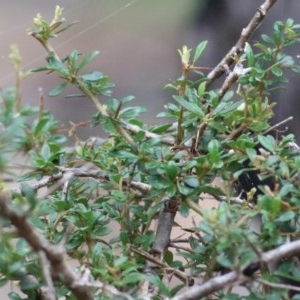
(103, 195)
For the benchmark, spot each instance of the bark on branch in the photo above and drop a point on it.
(246, 33)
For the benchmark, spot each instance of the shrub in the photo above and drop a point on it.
(97, 202)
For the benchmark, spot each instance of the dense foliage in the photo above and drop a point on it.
(109, 202)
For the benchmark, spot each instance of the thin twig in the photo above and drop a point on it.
(49, 290)
(277, 125)
(278, 285)
(173, 245)
(177, 273)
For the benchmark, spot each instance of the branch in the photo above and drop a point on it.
(220, 282)
(278, 285)
(232, 77)
(67, 173)
(165, 139)
(49, 290)
(277, 125)
(98, 174)
(55, 255)
(160, 244)
(240, 44)
(185, 278)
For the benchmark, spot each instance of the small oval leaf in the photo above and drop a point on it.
(93, 76)
(199, 50)
(58, 89)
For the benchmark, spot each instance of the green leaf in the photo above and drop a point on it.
(93, 76)
(28, 284)
(39, 126)
(131, 112)
(251, 153)
(211, 190)
(286, 189)
(201, 89)
(66, 27)
(157, 282)
(133, 277)
(30, 194)
(192, 107)
(227, 107)
(250, 55)
(277, 71)
(14, 296)
(287, 61)
(46, 152)
(224, 261)
(169, 257)
(271, 205)
(267, 39)
(40, 69)
(231, 297)
(58, 89)
(262, 47)
(172, 170)
(73, 57)
(199, 50)
(159, 129)
(213, 150)
(268, 142)
(218, 126)
(126, 155)
(127, 99)
(284, 169)
(101, 231)
(88, 59)
(287, 216)
(191, 181)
